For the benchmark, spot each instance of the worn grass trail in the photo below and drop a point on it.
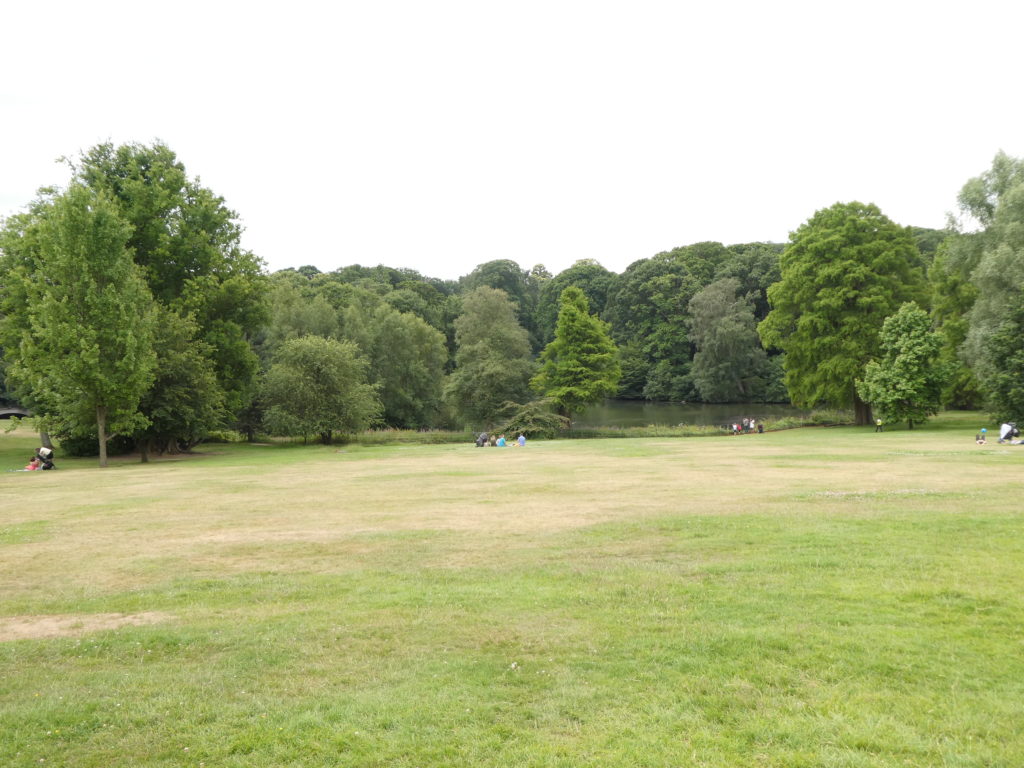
(805, 598)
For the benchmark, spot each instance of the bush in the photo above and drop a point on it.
(88, 445)
(535, 419)
(225, 436)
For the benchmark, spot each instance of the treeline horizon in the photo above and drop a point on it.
(135, 271)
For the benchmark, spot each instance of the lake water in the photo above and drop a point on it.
(640, 413)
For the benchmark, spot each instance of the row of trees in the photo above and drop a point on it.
(128, 307)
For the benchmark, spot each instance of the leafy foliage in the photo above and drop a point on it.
(187, 243)
(954, 295)
(85, 355)
(185, 401)
(845, 270)
(493, 364)
(596, 282)
(649, 310)
(521, 286)
(406, 359)
(1004, 385)
(729, 363)
(996, 199)
(906, 383)
(536, 418)
(581, 366)
(318, 386)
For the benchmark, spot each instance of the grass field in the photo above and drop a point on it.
(813, 597)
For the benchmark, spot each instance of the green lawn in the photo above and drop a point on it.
(813, 597)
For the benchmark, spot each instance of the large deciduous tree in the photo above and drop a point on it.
(493, 363)
(844, 271)
(81, 315)
(187, 242)
(729, 365)
(406, 359)
(1004, 384)
(581, 365)
(521, 286)
(954, 294)
(318, 386)
(996, 201)
(905, 383)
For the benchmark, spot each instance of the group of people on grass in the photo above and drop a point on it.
(746, 425)
(498, 441)
(43, 459)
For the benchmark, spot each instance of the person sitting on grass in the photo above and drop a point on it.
(33, 465)
(521, 440)
(980, 437)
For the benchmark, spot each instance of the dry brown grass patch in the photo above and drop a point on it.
(72, 624)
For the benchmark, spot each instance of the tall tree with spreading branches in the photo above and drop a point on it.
(844, 271)
(85, 355)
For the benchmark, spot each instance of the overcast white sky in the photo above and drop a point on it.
(440, 135)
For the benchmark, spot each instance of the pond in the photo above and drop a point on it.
(640, 413)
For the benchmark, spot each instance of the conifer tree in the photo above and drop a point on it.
(581, 366)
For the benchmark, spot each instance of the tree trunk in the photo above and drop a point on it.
(101, 428)
(44, 440)
(861, 412)
(144, 450)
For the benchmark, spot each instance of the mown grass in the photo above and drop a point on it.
(813, 597)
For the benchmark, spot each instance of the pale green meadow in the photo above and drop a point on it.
(810, 597)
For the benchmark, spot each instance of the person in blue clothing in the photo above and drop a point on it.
(501, 441)
(521, 440)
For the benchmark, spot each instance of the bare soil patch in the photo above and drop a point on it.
(72, 625)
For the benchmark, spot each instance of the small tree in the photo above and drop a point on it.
(318, 386)
(907, 382)
(86, 354)
(534, 419)
(581, 366)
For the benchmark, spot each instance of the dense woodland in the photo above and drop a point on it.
(128, 309)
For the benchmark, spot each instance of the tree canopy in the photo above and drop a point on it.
(463, 352)
(493, 362)
(844, 271)
(729, 365)
(80, 346)
(318, 386)
(905, 383)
